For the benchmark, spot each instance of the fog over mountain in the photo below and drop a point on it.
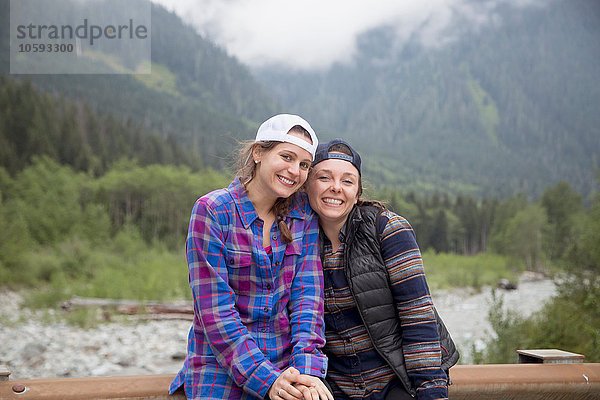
(314, 35)
(492, 97)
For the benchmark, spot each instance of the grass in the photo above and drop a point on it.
(488, 112)
(131, 269)
(127, 269)
(153, 275)
(446, 270)
(124, 268)
(161, 79)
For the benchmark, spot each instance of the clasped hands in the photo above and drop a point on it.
(292, 385)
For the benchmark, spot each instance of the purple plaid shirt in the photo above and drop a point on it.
(255, 314)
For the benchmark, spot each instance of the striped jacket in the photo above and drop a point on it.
(386, 281)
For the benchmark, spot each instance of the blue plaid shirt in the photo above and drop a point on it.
(254, 314)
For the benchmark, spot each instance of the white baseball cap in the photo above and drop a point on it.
(277, 127)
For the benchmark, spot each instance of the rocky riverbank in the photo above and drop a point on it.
(465, 311)
(33, 344)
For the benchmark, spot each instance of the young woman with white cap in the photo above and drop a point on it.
(256, 278)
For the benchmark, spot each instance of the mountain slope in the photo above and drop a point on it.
(509, 108)
(196, 94)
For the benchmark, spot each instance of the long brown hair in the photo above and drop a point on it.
(246, 169)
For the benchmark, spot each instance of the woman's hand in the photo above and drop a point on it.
(283, 387)
(292, 385)
(316, 391)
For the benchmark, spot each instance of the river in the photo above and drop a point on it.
(465, 311)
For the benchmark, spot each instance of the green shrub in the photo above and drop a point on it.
(125, 267)
(445, 270)
(570, 322)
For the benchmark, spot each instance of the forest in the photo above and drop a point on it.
(95, 206)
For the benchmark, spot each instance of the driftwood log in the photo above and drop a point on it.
(146, 309)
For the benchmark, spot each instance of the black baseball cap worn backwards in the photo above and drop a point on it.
(324, 153)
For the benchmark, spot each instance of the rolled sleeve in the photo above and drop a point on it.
(307, 309)
(421, 341)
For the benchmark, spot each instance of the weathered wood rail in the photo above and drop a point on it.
(499, 381)
(545, 375)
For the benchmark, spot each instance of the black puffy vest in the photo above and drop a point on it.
(369, 283)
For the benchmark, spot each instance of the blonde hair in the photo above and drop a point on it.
(246, 169)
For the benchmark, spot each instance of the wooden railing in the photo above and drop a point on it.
(546, 380)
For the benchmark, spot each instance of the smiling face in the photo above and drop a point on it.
(333, 189)
(281, 170)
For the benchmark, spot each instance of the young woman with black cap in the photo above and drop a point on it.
(384, 339)
(256, 278)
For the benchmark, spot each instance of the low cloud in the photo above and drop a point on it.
(312, 34)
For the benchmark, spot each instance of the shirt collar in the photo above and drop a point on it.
(298, 207)
(243, 204)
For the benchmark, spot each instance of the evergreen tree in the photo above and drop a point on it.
(563, 206)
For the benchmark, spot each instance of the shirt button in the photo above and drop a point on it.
(277, 263)
(268, 286)
(266, 308)
(231, 261)
(274, 237)
(323, 370)
(263, 329)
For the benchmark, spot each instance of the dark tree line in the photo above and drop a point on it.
(34, 123)
(546, 230)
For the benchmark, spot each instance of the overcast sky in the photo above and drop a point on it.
(311, 34)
